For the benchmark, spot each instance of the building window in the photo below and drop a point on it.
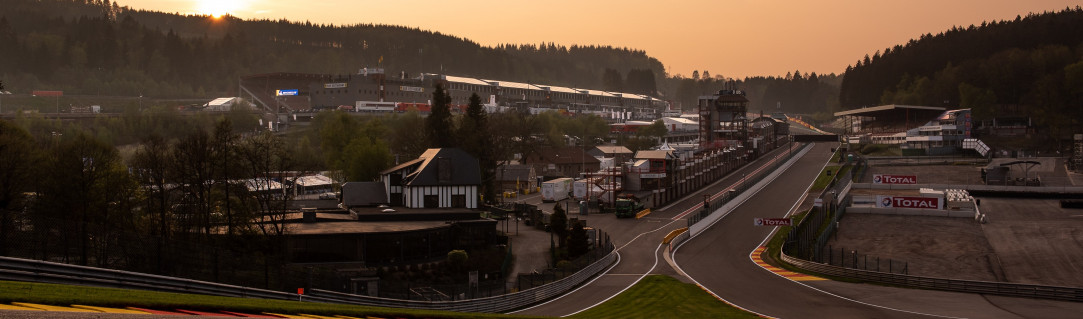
(432, 201)
(458, 201)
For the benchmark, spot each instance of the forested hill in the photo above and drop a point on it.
(1033, 61)
(97, 47)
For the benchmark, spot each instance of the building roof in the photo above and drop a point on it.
(445, 166)
(221, 101)
(562, 89)
(402, 166)
(513, 85)
(565, 155)
(459, 79)
(514, 172)
(613, 149)
(313, 180)
(262, 184)
(678, 120)
(654, 154)
(363, 194)
(599, 93)
(869, 111)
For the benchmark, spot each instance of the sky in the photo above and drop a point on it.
(733, 38)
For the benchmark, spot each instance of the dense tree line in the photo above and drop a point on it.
(206, 205)
(794, 93)
(97, 47)
(1033, 61)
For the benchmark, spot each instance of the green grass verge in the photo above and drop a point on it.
(880, 150)
(64, 295)
(655, 296)
(659, 296)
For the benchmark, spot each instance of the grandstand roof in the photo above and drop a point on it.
(890, 108)
(459, 79)
(562, 89)
(599, 93)
(514, 85)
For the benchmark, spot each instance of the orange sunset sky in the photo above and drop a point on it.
(734, 38)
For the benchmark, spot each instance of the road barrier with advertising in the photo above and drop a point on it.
(772, 222)
(726, 201)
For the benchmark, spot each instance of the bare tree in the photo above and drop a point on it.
(150, 167)
(272, 170)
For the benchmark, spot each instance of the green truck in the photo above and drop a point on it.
(627, 207)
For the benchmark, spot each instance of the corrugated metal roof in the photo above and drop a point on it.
(513, 85)
(464, 80)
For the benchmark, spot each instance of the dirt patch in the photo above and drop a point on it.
(1037, 241)
(931, 246)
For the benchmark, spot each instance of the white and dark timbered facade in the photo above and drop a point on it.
(439, 178)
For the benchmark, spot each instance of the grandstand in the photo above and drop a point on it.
(919, 130)
(372, 91)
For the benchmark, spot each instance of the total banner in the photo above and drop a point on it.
(884, 201)
(894, 179)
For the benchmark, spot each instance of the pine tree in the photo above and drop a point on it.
(438, 124)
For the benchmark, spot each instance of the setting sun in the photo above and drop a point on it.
(218, 8)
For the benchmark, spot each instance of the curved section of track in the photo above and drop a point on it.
(722, 260)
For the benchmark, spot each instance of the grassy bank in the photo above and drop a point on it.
(655, 296)
(659, 296)
(64, 295)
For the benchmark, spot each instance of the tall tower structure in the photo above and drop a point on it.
(723, 119)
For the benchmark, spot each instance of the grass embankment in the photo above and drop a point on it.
(655, 296)
(658, 296)
(64, 295)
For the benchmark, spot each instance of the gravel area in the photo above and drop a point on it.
(1031, 241)
(932, 246)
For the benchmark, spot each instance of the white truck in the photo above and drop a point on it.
(556, 190)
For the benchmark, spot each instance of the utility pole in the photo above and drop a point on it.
(2, 93)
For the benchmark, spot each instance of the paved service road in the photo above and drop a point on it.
(639, 245)
(719, 259)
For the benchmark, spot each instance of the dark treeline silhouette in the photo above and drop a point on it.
(1031, 63)
(97, 47)
(206, 205)
(795, 93)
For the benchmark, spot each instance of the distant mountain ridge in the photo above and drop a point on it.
(88, 46)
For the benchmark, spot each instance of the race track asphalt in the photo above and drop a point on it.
(719, 260)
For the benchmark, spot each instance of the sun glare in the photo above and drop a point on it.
(218, 8)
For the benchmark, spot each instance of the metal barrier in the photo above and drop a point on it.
(17, 269)
(968, 286)
(725, 200)
(495, 304)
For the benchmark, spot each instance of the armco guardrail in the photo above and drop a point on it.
(699, 223)
(979, 188)
(17, 269)
(968, 286)
(495, 304)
